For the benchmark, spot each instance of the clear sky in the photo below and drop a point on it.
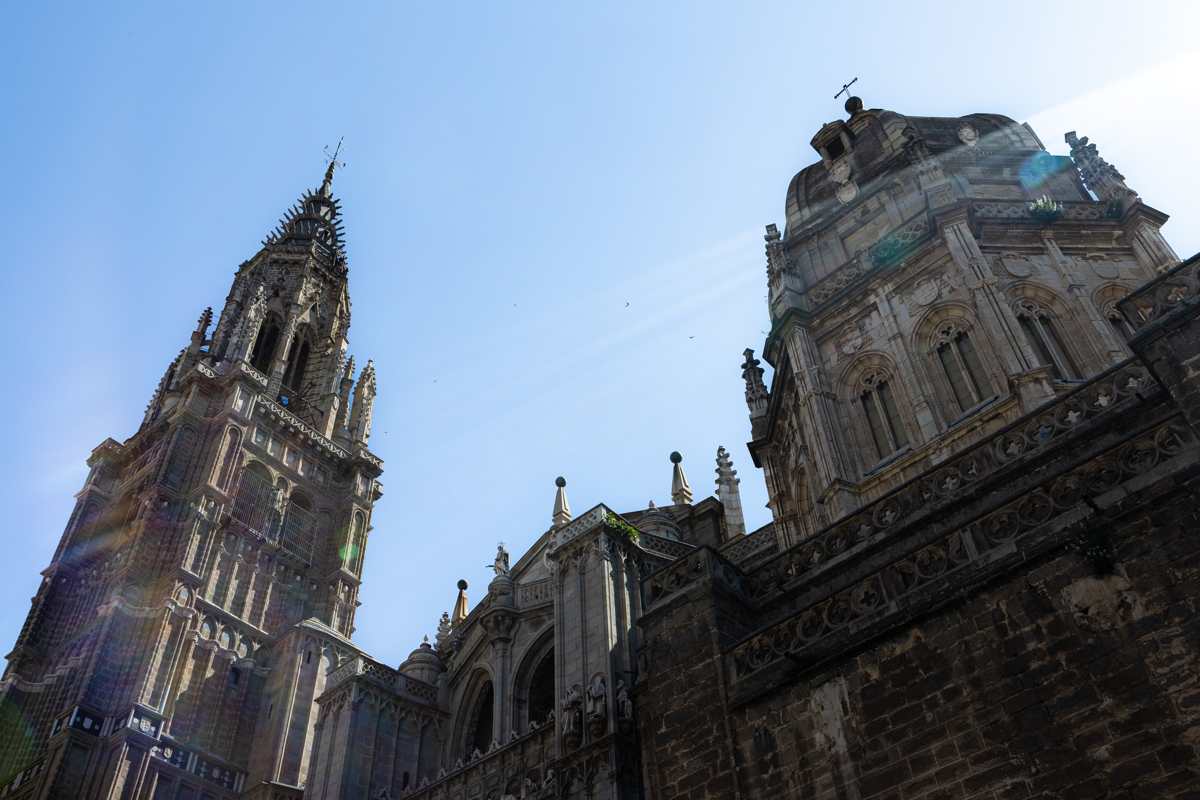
(518, 173)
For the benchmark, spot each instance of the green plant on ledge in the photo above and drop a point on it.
(1045, 208)
(622, 527)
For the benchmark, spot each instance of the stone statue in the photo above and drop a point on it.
(500, 565)
(624, 702)
(572, 725)
(597, 706)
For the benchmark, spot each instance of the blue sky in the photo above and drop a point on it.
(516, 174)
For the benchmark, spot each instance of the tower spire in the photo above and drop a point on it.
(327, 184)
(681, 492)
(562, 509)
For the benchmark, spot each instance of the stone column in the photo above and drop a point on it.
(1077, 290)
(823, 431)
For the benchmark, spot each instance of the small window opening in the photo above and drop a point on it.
(308, 657)
(235, 676)
(835, 148)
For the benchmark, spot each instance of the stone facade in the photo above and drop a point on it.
(981, 443)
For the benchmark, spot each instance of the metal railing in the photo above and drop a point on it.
(258, 508)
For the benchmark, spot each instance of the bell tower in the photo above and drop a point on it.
(208, 578)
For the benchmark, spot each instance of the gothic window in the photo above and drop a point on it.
(541, 689)
(878, 406)
(228, 461)
(255, 500)
(1041, 329)
(264, 345)
(297, 362)
(961, 366)
(353, 556)
(480, 732)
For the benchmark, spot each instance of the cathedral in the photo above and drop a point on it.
(981, 579)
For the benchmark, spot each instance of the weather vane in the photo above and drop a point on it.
(333, 157)
(845, 89)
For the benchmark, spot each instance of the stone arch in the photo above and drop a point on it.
(476, 712)
(1106, 298)
(875, 407)
(534, 689)
(266, 342)
(227, 458)
(297, 359)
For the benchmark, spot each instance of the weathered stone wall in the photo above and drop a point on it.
(1052, 682)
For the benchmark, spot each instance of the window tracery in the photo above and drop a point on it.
(960, 364)
(878, 405)
(1041, 328)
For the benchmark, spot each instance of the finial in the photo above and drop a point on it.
(562, 509)
(853, 105)
(348, 373)
(1101, 177)
(729, 494)
(327, 184)
(460, 604)
(756, 390)
(681, 492)
(205, 320)
(425, 640)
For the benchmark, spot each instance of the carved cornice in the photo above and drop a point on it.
(960, 559)
(1164, 298)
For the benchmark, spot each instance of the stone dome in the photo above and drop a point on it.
(424, 664)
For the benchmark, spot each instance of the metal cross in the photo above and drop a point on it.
(845, 89)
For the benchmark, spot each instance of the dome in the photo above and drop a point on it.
(872, 144)
(424, 664)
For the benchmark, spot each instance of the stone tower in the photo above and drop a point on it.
(208, 577)
(937, 279)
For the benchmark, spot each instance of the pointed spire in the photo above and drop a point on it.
(341, 425)
(1098, 175)
(364, 405)
(729, 494)
(327, 184)
(562, 509)
(460, 605)
(314, 223)
(681, 492)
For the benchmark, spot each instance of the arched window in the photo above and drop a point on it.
(1041, 329)
(264, 345)
(480, 732)
(297, 362)
(352, 557)
(960, 364)
(541, 689)
(228, 461)
(878, 405)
